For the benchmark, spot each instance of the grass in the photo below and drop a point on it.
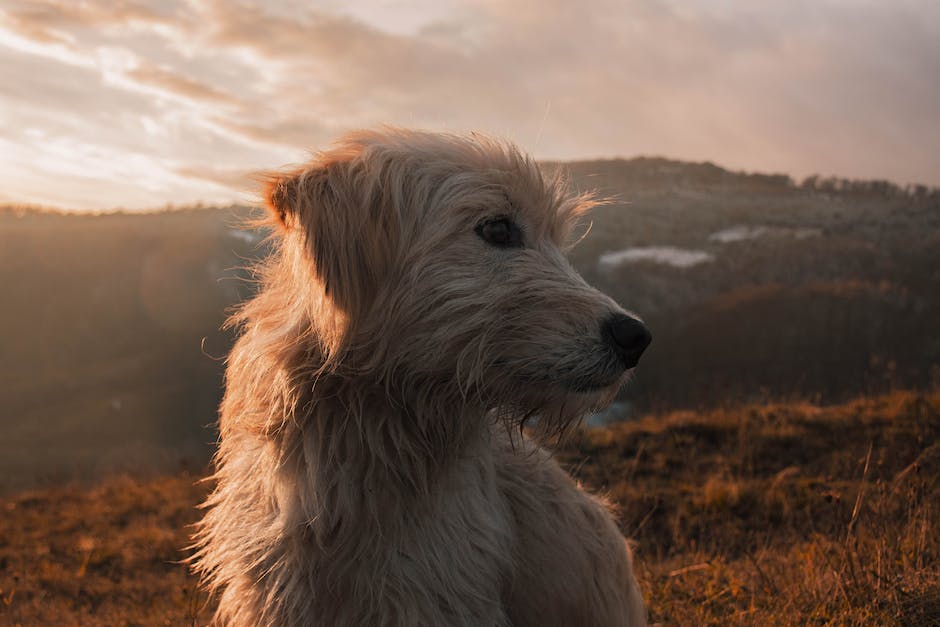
(787, 514)
(101, 556)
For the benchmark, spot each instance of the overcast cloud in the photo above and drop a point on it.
(141, 103)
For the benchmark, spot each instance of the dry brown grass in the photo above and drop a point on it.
(780, 515)
(102, 556)
(776, 515)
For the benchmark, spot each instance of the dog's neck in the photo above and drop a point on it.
(366, 420)
(333, 426)
(370, 460)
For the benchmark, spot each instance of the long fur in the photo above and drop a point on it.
(371, 468)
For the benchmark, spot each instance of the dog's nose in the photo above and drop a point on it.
(628, 336)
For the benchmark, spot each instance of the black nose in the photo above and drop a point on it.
(628, 336)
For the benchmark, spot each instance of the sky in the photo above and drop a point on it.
(143, 103)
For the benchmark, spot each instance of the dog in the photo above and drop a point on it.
(416, 311)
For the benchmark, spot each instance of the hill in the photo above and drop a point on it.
(755, 288)
(784, 514)
(111, 346)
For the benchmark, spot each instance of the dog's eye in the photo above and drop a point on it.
(501, 232)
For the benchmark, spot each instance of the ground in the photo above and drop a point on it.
(784, 514)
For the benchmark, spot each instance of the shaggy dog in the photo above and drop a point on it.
(372, 469)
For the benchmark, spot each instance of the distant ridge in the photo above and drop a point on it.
(644, 173)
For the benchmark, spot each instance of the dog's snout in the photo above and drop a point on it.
(628, 336)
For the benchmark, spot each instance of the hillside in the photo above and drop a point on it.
(755, 288)
(787, 514)
(112, 349)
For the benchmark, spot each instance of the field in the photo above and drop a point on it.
(771, 514)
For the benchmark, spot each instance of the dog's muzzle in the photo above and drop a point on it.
(627, 336)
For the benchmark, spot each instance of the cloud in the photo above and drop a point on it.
(230, 178)
(300, 132)
(175, 83)
(31, 28)
(60, 21)
(33, 15)
(210, 89)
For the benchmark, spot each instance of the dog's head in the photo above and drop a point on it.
(438, 262)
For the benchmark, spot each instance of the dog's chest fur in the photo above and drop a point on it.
(439, 554)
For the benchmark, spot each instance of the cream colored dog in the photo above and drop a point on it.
(372, 469)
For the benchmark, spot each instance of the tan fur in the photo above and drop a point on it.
(371, 468)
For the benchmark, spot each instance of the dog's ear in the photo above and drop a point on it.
(278, 196)
(347, 222)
